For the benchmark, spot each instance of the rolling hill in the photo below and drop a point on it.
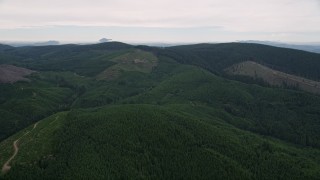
(117, 111)
(217, 57)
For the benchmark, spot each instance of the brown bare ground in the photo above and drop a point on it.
(137, 60)
(12, 74)
(273, 77)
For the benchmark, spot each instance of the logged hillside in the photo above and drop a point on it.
(217, 57)
(12, 74)
(273, 77)
(118, 111)
(136, 60)
(90, 60)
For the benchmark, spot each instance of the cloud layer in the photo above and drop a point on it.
(269, 16)
(244, 15)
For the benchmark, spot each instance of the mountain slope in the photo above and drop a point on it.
(288, 115)
(32, 144)
(153, 142)
(217, 57)
(273, 77)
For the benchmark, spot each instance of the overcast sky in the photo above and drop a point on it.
(160, 20)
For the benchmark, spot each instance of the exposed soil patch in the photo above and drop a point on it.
(12, 74)
(137, 60)
(273, 77)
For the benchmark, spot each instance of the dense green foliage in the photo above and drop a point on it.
(290, 115)
(216, 57)
(35, 142)
(179, 121)
(24, 103)
(152, 142)
(84, 60)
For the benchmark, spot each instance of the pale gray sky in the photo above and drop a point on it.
(160, 20)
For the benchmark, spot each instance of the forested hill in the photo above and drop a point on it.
(82, 59)
(5, 47)
(117, 111)
(216, 57)
(213, 57)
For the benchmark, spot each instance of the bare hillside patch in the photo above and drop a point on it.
(12, 74)
(273, 77)
(137, 60)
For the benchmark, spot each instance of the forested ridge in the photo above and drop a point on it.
(185, 119)
(216, 57)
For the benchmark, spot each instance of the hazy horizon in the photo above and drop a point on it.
(166, 21)
(156, 43)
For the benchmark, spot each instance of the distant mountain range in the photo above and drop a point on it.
(311, 47)
(315, 47)
(21, 44)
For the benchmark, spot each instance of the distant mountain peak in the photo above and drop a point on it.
(104, 40)
(47, 43)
